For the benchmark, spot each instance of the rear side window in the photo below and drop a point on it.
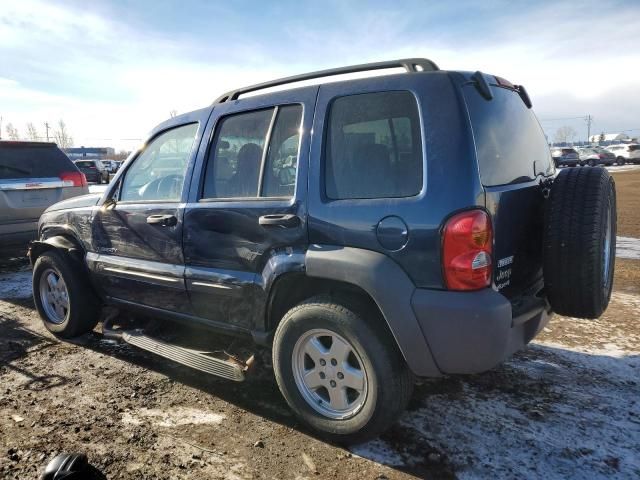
(17, 162)
(633, 148)
(373, 147)
(510, 145)
(236, 157)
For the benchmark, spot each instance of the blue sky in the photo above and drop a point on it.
(114, 69)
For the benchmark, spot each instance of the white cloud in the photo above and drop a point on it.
(111, 80)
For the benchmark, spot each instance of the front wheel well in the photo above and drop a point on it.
(295, 288)
(61, 243)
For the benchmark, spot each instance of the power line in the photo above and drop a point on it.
(563, 118)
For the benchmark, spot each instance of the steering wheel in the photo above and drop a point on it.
(169, 186)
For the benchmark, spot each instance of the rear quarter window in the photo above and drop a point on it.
(373, 147)
(17, 162)
(510, 144)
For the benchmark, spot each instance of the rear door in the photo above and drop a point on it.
(33, 176)
(137, 235)
(247, 201)
(513, 158)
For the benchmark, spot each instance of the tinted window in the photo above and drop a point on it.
(373, 147)
(508, 138)
(158, 172)
(282, 158)
(233, 167)
(85, 164)
(235, 158)
(33, 162)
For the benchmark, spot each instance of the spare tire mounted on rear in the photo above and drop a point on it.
(580, 242)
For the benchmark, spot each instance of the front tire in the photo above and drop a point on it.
(342, 376)
(621, 160)
(65, 302)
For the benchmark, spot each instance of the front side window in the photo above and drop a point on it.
(158, 172)
(238, 151)
(373, 147)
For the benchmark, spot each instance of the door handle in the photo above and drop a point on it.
(162, 220)
(287, 220)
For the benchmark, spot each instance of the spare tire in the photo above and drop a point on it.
(580, 242)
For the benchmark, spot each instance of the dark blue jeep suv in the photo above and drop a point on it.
(368, 231)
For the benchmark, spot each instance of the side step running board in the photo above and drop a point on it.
(229, 369)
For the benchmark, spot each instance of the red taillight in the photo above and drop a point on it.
(467, 241)
(74, 179)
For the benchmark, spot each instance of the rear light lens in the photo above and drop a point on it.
(467, 241)
(73, 179)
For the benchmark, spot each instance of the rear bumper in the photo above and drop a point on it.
(471, 332)
(92, 176)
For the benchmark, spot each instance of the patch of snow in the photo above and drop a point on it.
(380, 451)
(628, 247)
(97, 188)
(172, 417)
(548, 413)
(15, 285)
(623, 168)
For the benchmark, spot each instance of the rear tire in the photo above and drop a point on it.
(57, 283)
(580, 242)
(387, 383)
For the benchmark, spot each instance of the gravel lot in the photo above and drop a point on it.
(568, 407)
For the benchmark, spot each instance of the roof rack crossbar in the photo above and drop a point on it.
(409, 64)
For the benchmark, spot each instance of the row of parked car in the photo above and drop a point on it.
(98, 171)
(592, 156)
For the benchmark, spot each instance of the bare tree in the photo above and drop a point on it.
(601, 138)
(61, 135)
(564, 134)
(173, 113)
(32, 133)
(121, 155)
(12, 132)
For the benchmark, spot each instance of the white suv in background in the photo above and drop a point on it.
(626, 153)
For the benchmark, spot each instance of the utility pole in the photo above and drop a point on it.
(589, 119)
(46, 126)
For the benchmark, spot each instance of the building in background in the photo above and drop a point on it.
(78, 153)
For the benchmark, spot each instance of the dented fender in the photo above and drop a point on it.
(58, 242)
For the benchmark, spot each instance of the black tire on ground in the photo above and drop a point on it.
(580, 242)
(84, 307)
(621, 160)
(389, 381)
(592, 163)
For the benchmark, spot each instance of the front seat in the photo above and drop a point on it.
(244, 182)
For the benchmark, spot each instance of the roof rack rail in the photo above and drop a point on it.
(409, 64)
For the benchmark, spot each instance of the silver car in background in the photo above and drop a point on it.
(592, 156)
(33, 176)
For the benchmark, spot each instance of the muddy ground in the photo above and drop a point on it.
(567, 407)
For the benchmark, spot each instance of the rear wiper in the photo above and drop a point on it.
(15, 169)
